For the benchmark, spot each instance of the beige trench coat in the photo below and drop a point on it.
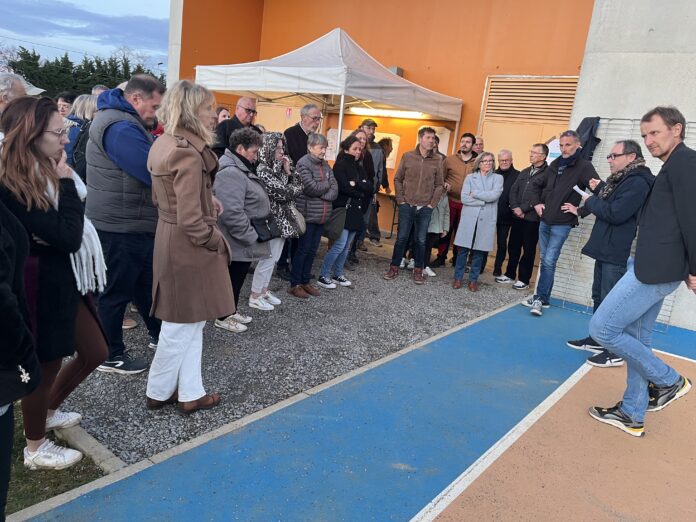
(191, 282)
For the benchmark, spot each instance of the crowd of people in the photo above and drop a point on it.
(179, 198)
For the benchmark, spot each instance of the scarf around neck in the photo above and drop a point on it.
(564, 163)
(613, 180)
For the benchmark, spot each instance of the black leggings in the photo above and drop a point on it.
(238, 272)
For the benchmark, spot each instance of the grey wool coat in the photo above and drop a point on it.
(480, 211)
(243, 198)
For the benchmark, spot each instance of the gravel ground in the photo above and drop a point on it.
(297, 346)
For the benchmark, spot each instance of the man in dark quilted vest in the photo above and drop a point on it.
(119, 203)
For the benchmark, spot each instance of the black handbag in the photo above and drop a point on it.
(333, 226)
(266, 228)
(20, 379)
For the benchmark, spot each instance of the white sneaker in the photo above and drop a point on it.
(51, 456)
(341, 280)
(403, 263)
(63, 419)
(503, 279)
(230, 325)
(240, 318)
(411, 264)
(260, 304)
(519, 285)
(427, 271)
(271, 298)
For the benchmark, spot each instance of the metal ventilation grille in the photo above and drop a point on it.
(574, 272)
(530, 98)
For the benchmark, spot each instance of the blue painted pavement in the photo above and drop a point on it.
(379, 446)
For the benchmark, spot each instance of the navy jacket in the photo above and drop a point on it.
(617, 217)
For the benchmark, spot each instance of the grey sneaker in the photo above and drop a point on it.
(536, 308)
(615, 417)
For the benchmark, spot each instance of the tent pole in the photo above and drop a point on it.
(340, 120)
(455, 141)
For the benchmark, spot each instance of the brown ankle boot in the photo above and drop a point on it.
(457, 284)
(418, 276)
(392, 273)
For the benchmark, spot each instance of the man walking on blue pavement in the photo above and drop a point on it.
(665, 256)
(553, 190)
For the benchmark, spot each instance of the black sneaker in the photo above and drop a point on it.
(438, 262)
(124, 364)
(341, 280)
(530, 301)
(615, 417)
(153, 343)
(325, 282)
(605, 359)
(587, 343)
(661, 397)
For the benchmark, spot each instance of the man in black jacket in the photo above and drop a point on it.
(522, 200)
(665, 256)
(296, 136)
(244, 114)
(554, 190)
(505, 225)
(616, 205)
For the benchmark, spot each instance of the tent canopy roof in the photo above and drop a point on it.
(322, 71)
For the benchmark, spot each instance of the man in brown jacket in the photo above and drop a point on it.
(455, 168)
(419, 187)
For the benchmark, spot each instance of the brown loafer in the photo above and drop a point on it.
(473, 286)
(311, 290)
(298, 291)
(154, 404)
(418, 276)
(206, 402)
(457, 284)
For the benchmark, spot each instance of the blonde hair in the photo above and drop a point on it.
(84, 106)
(480, 158)
(179, 109)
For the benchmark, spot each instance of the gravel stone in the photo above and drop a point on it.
(299, 345)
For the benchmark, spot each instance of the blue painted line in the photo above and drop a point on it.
(379, 446)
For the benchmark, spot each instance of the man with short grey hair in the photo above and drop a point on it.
(296, 136)
(14, 86)
(244, 114)
(553, 191)
(508, 229)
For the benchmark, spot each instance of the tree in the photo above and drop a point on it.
(61, 74)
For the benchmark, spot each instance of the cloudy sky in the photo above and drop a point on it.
(52, 27)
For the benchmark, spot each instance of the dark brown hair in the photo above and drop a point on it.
(24, 170)
(670, 115)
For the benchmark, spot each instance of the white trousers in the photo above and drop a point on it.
(264, 268)
(177, 363)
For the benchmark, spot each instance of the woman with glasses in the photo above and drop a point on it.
(64, 267)
(476, 231)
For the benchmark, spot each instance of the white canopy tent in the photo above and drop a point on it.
(331, 67)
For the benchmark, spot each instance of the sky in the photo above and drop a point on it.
(82, 27)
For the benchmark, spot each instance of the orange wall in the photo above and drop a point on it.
(452, 46)
(216, 32)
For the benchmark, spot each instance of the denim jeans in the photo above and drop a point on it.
(302, 261)
(551, 239)
(606, 275)
(128, 279)
(335, 258)
(478, 257)
(408, 217)
(623, 324)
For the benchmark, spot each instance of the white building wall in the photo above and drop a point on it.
(639, 54)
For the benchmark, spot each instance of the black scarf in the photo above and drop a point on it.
(564, 163)
(251, 166)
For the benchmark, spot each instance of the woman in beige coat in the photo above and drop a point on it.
(191, 283)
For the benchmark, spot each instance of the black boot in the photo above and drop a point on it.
(439, 261)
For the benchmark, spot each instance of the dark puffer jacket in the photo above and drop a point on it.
(319, 189)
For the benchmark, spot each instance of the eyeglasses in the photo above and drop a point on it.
(535, 152)
(613, 156)
(249, 111)
(316, 118)
(486, 161)
(60, 133)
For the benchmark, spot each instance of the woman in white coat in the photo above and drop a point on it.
(476, 231)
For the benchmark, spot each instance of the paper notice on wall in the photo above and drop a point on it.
(332, 149)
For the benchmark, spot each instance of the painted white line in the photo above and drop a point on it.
(674, 355)
(463, 481)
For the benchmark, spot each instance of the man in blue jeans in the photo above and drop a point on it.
(553, 190)
(419, 186)
(665, 256)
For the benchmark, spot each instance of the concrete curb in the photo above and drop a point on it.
(76, 437)
(127, 471)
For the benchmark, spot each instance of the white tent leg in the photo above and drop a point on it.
(340, 121)
(455, 141)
